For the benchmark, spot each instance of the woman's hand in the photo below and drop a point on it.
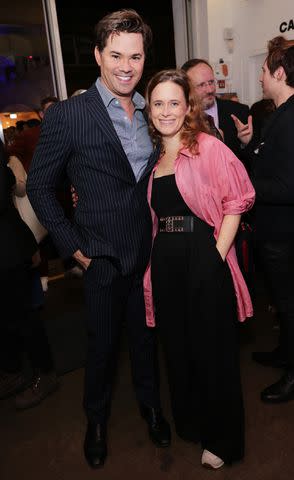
(74, 196)
(82, 260)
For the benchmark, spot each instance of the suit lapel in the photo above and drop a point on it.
(99, 113)
(273, 118)
(151, 162)
(220, 112)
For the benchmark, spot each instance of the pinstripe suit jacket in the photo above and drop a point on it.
(112, 217)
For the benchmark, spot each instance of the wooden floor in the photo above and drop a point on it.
(45, 443)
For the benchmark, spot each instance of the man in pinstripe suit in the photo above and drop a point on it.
(100, 139)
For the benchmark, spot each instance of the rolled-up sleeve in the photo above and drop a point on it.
(237, 191)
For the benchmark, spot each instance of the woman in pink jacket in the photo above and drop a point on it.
(197, 193)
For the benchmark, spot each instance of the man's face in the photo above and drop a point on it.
(203, 81)
(268, 82)
(121, 63)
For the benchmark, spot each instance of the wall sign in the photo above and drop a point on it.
(286, 26)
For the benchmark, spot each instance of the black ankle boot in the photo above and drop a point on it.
(158, 428)
(281, 391)
(95, 447)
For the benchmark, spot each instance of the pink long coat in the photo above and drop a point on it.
(213, 183)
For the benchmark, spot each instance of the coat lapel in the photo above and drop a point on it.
(273, 118)
(99, 113)
(151, 162)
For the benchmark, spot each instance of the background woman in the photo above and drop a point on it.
(197, 193)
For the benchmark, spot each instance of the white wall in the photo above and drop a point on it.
(254, 22)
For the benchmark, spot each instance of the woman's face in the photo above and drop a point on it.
(168, 108)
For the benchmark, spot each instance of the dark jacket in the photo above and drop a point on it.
(112, 218)
(225, 108)
(17, 243)
(272, 166)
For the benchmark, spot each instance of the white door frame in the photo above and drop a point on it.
(54, 47)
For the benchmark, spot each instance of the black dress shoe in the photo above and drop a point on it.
(270, 359)
(95, 447)
(158, 428)
(281, 391)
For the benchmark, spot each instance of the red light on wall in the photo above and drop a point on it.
(30, 57)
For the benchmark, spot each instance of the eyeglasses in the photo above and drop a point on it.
(209, 83)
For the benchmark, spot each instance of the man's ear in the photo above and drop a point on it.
(279, 74)
(97, 56)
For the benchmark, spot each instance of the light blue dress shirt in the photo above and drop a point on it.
(133, 134)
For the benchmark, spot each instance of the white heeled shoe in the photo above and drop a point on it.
(209, 460)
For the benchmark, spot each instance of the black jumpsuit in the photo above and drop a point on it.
(195, 308)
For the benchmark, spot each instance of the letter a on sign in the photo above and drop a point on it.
(291, 25)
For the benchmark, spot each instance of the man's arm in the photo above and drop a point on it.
(49, 162)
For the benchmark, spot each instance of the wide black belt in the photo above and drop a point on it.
(176, 224)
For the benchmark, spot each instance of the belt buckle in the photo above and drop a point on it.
(169, 224)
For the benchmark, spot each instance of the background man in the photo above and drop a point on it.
(202, 77)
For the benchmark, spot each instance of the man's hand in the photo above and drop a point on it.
(245, 130)
(82, 260)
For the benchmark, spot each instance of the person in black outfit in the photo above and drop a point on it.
(272, 172)
(197, 192)
(21, 329)
(100, 138)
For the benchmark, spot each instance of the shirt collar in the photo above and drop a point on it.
(213, 112)
(108, 97)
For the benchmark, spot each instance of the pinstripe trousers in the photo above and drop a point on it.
(111, 299)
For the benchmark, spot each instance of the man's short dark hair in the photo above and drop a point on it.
(193, 62)
(46, 100)
(122, 21)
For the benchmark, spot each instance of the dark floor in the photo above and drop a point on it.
(45, 443)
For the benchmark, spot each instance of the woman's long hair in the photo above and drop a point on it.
(194, 121)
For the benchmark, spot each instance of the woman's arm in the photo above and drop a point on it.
(20, 175)
(227, 234)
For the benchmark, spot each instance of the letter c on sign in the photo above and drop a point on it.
(283, 27)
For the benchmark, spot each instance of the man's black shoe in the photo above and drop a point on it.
(270, 359)
(158, 428)
(95, 447)
(281, 391)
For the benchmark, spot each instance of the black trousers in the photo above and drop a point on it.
(277, 261)
(21, 330)
(110, 299)
(196, 316)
